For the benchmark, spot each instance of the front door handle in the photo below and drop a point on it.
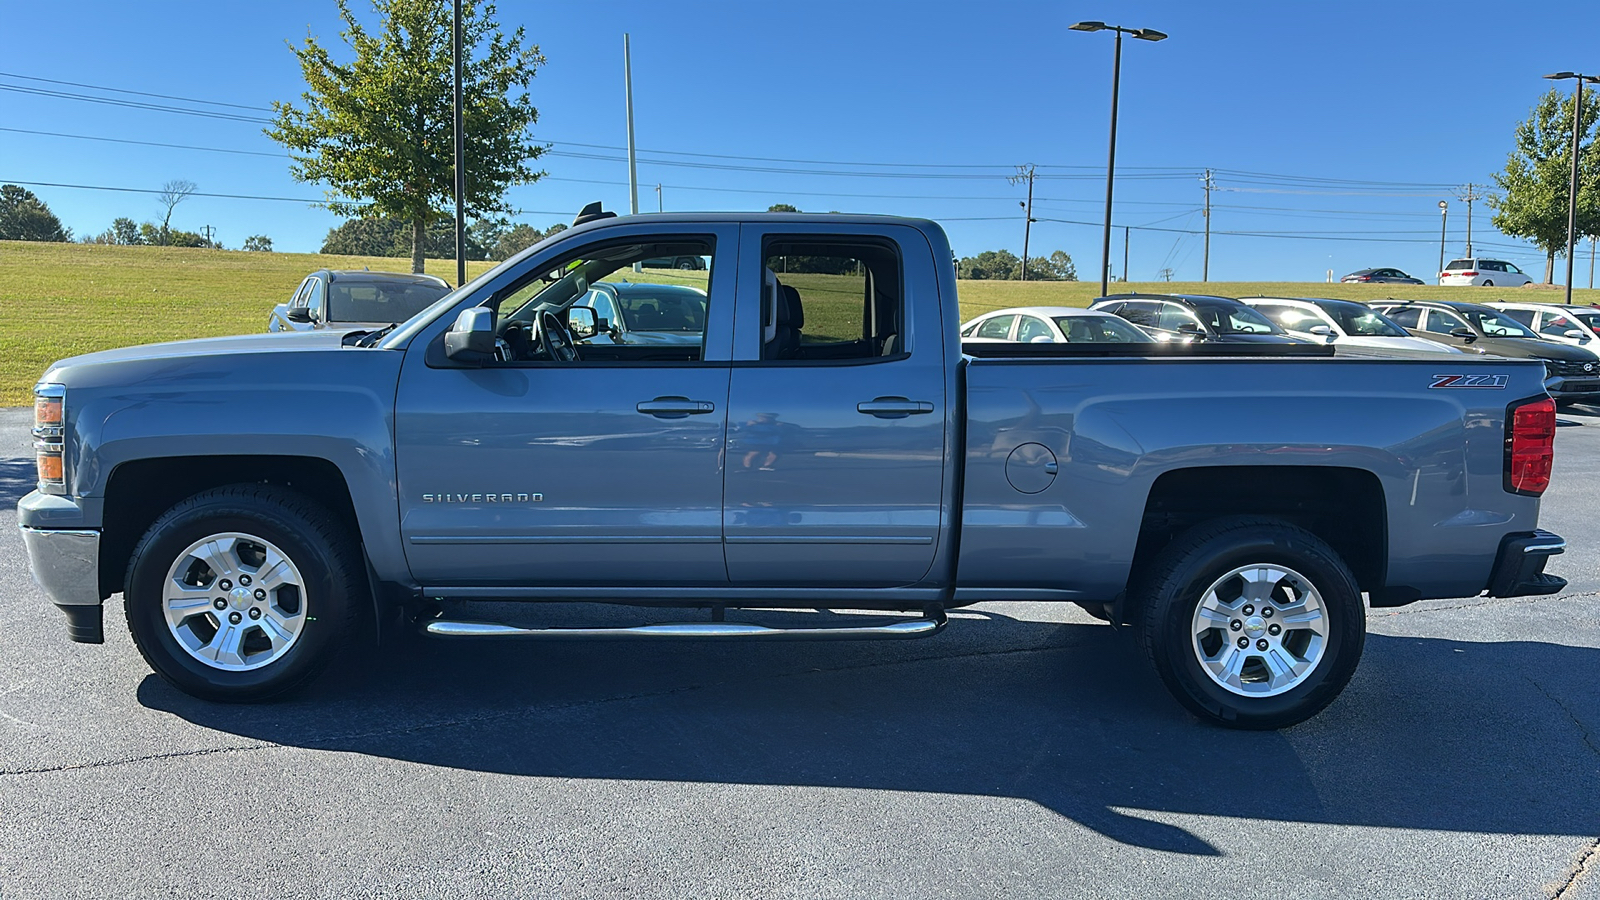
(675, 407)
(894, 407)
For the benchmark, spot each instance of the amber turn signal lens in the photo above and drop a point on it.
(46, 411)
(50, 466)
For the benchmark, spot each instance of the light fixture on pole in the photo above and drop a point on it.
(1444, 220)
(1143, 34)
(1572, 191)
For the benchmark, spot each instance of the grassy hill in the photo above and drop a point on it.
(58, 300)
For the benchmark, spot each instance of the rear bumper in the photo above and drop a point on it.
(1566, 387)
(66, 564)
(1519, 566)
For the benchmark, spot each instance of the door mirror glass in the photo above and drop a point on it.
(471, 338)
(582, 321)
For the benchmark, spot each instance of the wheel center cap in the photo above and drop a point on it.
(1255, 626)
(240, 598)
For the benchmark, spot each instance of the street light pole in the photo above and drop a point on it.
(1143, 34)
(1444, 221)
(461, 157)
(1572, 192)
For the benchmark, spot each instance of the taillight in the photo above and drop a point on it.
(1530, 446)
(1468, 274)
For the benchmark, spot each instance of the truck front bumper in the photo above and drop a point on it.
(66, 563)
(1519, 566)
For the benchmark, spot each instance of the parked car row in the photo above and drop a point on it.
(1468, 272)
(1565, 338)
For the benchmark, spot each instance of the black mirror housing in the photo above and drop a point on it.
(300, 314)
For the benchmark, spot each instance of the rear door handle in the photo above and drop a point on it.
(894, 407)
(675, 407)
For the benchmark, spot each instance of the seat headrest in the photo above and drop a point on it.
(790, 312)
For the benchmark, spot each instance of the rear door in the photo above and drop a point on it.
(836, 408)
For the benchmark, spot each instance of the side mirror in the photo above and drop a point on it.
(1191, 328)
(1042, 339)
(582, 321)
(1465, 334)
(1322, 330)
(1577, 335)
(301, 314)
(471, 338)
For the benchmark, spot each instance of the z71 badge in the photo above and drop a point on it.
(1495, 382)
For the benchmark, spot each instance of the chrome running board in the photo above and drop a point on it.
(904, 629)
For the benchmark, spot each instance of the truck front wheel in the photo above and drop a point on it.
(243, 593)
(1252, 623)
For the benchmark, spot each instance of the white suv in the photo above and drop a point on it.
(1482, 273)
(1575, 325)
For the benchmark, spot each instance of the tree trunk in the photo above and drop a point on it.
(419, 234)
(1550, 267)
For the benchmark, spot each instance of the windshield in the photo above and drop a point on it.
(665, 308)
(1496, 324)
(379, 301)
(1100, 330)
(1239, 319)
(1358, 321)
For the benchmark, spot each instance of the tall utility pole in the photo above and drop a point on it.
(659, 207)
(1025, 173)
(1205, 264)
(1591, 262)
(1143, 34)
(1444, 221)
(1124, 254)
(633, 170)
(1467, 195)
(460, 159)
(1572, 191)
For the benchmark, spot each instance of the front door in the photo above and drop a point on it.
(606, 470)
(837, 411)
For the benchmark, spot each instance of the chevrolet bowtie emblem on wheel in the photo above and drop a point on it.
(1495, 382)
(482, 498)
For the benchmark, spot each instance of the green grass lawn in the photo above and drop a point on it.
(59, 300)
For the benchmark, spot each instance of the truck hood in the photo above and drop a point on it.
(244, 343)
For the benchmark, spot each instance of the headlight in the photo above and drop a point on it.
(49, 430)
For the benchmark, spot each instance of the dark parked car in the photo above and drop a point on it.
(1573, 373)
(1379, 276)
(1195, 317)
(355, 299)
(673, 262)
(629, 313)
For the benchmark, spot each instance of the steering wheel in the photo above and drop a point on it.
(512, 343)
(556, 340)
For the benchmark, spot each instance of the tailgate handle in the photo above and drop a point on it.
(894, 407)
(675, 407)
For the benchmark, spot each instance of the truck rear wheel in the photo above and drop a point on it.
(1252, 623)
(243, 593)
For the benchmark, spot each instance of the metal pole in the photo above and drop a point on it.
(1111, 167)
(1572, 195)
(1444, 222)
(1470, 197)
(1591, 262)
(1124, 254)
(659, 207)
(1205, 265)
(1027, 225)
(633, 171)
(461, 159)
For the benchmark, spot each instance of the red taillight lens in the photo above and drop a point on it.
(1468, 274)
(1530, 447)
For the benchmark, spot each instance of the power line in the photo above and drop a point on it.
(100, 87)
(133, 104)
(112, 140)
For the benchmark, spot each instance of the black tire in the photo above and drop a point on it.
(313, 540)
(687, 264)
(1488, 284)
(1168, 597)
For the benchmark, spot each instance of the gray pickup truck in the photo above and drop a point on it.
(826, 443)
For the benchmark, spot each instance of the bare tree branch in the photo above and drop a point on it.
(172, 193)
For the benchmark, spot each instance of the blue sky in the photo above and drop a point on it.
(906, 108)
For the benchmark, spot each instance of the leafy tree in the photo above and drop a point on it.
(258, 243)
(378, 129)
(989, 265)
(124, 231)
(24, 217)
(1537, 177)
(172, 193)
(782, 207)
(520, 237)
(393, 237)
(1058, 265)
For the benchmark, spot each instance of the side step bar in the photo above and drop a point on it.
(904, 629)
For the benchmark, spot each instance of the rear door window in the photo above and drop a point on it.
(1030, 329)
(1174, 317)
(1143, 313)
(1525, 316)
(1405, 317)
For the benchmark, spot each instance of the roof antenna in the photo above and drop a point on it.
(590, 213)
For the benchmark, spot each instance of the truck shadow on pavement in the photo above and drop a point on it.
(1433, 734)
(17, 478)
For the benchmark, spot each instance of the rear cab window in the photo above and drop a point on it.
(833, 298)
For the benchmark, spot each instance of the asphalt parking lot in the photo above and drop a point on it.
(1027, 751)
